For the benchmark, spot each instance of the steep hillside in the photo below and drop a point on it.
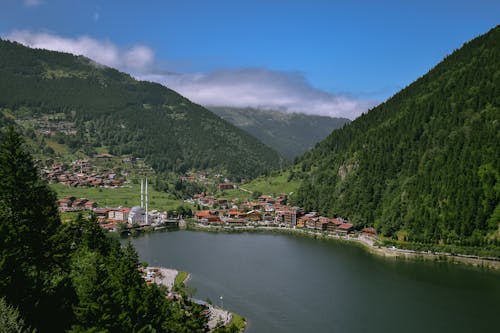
(291, 134)
(425, 165)
(92, 106)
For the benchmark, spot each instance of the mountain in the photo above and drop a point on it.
(425, 165)
(291, 134)
(93, 107)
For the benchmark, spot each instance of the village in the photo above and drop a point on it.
(84, 173)
(265, 211)
(119, 218)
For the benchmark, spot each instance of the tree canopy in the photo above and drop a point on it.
(71, 277)
(110, 108)
(425, 165)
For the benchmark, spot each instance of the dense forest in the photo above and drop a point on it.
(425, 165)
(291, 134)
(71, 277)
(110, 108)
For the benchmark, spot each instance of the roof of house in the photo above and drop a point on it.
(203, 213)
(345, 226)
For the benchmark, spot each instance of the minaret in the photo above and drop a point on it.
(147, 217)
(142, 193)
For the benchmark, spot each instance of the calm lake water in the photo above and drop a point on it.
(283, 283)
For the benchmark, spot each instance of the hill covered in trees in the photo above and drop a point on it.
(93, 106)
(291, 134)
(71, 277)
(425, 165)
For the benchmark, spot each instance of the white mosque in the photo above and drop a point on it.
(139, 214)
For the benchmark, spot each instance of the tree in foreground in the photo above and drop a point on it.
(10, 320)
(33, 270)
(71, 277)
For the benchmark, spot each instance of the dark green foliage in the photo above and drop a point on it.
(181, 189)
(291, 134)
(112, 109)
(425, 165)
(72, 276)
(111, 294)
(32, 267)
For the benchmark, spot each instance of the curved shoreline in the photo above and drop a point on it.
(367, 244)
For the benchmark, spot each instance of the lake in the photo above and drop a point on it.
(284, 283)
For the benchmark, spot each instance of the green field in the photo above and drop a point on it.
(269, 185)
(114, 197)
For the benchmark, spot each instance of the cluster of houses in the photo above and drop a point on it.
(266, 211)
(50, 124)
(73, 204)
(218, 180)
(81, 173)
(110, 218)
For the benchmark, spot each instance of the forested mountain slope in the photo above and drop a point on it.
(291, 134)
(425, 165)
(110, 108)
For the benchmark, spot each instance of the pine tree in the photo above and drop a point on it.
(32, 274)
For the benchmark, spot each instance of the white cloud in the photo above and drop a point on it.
(251, 87)
(135, 59)
(32, 3)
(263, 89)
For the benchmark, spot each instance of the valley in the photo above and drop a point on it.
(236, 171)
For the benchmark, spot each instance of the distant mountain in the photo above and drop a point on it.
(291, 134)
(425, 165)
(89, 106)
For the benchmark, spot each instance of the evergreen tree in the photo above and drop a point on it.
(10, 320)
(423, 166)
(33, 276)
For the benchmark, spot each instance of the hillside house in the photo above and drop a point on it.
(225, 186)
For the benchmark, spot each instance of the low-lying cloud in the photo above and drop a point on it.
(249, 87)
(263, 89)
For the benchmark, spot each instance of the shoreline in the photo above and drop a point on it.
(367, 244)
(218, 317)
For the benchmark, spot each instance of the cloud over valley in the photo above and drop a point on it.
(247, 87)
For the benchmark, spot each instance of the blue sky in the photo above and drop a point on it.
(326, 57)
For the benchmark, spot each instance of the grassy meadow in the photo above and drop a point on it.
(114, 197)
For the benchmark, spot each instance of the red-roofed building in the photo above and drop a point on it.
(203, 214)
(90, 205)
(369, 231)
(345, 228)
(233, 213)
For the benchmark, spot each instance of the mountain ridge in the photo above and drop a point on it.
(291, 134)
(110, 108)
(423, 166)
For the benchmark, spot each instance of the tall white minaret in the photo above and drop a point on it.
(142, 193)
(147, 217)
